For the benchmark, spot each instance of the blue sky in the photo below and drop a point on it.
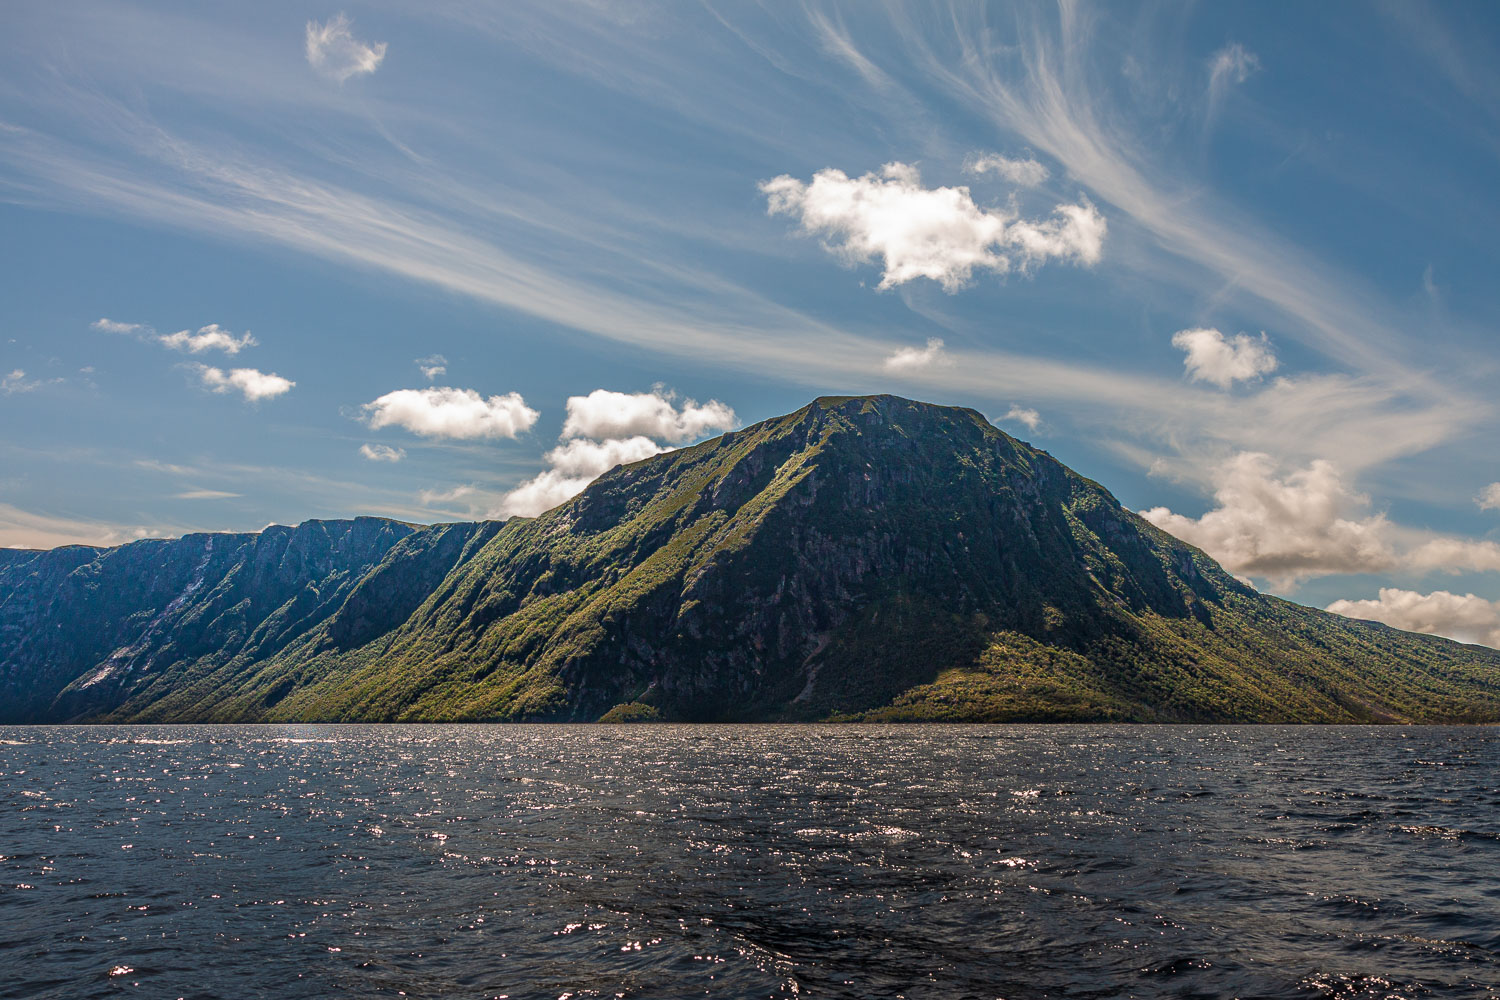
(1234, 262)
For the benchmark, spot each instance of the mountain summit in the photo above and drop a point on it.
(861, 558)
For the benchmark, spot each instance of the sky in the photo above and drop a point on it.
(264, 263)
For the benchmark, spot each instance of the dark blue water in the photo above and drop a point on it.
(563, 862)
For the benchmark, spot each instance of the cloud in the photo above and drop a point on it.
(253, 384)
(22, 529)
(541, 493)
(443, 412)
(16, 381)
(1467, 618)
(592, 458)
(624, 428)
(1211, 357)
(1454, 555)
(1230, 65)
(433, 366)
(334, 51)
(430, 497)
(111, 326)
(574, 465)
(1024, 173)
(204, 495)
(908, 358)
(1023, 415)
(382, 452)
(1308, 524)
(1489, 497)
(606, 414)
(208, 338)
(1284, 530)
(212, 337)
(935, 233)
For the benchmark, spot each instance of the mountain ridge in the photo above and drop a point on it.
(865, 557)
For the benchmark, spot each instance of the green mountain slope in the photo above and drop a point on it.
(865, 557)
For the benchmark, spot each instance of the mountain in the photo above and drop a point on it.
(862, 558)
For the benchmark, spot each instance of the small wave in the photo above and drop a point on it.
(1446, 832)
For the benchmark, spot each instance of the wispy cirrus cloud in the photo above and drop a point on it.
(205, 495)
(1229, 66)
(23, 529)
(182, 185)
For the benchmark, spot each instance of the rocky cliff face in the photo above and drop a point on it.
(863, 557)
(80, 628)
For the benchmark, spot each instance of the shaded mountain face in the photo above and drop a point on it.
(864, 557)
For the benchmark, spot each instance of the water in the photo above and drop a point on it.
(754, 861)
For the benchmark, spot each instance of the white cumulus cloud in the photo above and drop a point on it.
(254, 385)
(1212, 357)
(382, 452)
(541, 493)
(1284, 529)
(1023, 415)
(606, 415)
(1454, 555)
(575, 464)
(1023, 173)
(333, 50)
(1489, 497)
(432, 367)
(579, 457)
(16, 381)
(936, 233)
(1309, 523)
(208, 338)
(605, 429)
(1467, 617)
(446, 412)
(112, 326)
(909, 358)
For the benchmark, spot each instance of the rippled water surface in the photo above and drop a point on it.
(754, 861)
